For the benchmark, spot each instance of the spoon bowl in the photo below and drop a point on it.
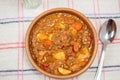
(107, 31)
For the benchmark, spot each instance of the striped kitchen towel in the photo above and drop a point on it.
(15, 20)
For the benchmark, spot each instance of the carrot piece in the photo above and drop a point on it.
(77, 25)
(48, 43)
(82, 63)
(76, 46)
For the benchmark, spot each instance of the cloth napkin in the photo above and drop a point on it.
(15, 19)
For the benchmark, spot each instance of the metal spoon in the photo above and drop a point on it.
(106, 34)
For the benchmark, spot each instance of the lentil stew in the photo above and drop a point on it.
(61, 43)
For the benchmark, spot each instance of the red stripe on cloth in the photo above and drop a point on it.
(18, 48)
(72, 3)
(98, 7)
(49, 78)
(47, 4)
(119, 5)
(68, 4)
(76, 78)
(95, 19)
(95, 15)
(14, 47)
(96, 24)
(23, 41)
(5, 44)
(18, 40)
(43, 4)
(117, 39)
(44, 77)
(115, 43)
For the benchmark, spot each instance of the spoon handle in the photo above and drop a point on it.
(99, 71)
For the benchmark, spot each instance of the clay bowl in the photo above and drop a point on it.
(66, 10)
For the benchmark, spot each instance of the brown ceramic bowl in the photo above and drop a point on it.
(66, 10)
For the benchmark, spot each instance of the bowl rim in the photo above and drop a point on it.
(69, 10)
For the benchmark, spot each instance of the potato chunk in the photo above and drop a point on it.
(41, 36)
(59, 55)
(73, 31)
(84, 53)
(50, 36)
(63, 71)
(60, 26)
